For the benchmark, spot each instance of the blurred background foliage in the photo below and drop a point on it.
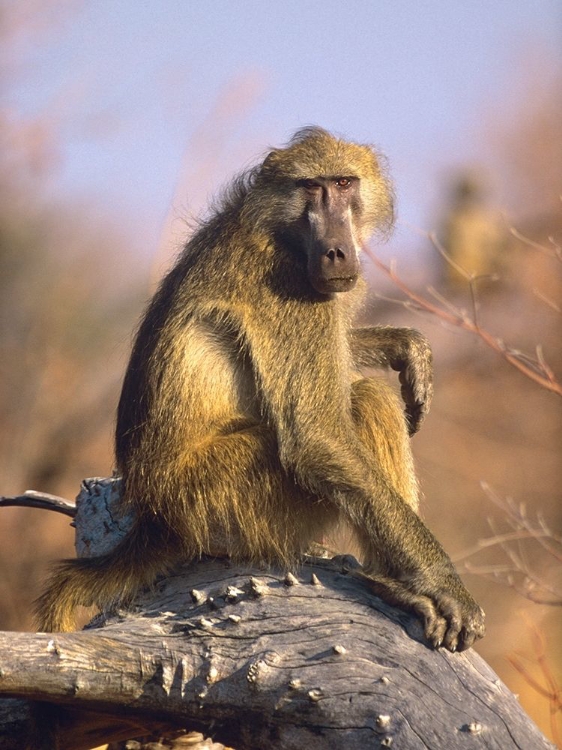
(74, 279)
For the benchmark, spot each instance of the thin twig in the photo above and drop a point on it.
(516, 515)
(552, 692)
(547, 301)
(534, 369)
(510, 536)
(42, 500)
(518, 573)
(555, 251)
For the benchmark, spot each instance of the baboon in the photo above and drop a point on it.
(244, 426)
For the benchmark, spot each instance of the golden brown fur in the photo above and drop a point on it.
(244, 427)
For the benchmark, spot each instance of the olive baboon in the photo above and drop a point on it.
(244, 428)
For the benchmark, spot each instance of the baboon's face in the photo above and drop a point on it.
(332, 204)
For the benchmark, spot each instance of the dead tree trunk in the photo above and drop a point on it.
(257, 659)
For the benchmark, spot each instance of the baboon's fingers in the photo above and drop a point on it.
(415, 414)
(450, 620)
(451, 640)
(396, 593)
(416, 394)
(464, 621)
(468, 638)
(476, 630)
(435, 626)
(415, 369)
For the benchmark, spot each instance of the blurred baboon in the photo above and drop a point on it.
(244, 427)
(472, 235)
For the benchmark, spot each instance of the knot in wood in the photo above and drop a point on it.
(257, 588)
(53, 648)
(232, 593)
(475, 727)
(197, 596)
(315, 695)
(212, 675)
(291, 580)
(255, 671)
(382, 721)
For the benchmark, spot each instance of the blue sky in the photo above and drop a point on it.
(155, 104)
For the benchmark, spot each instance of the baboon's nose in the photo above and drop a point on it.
(336, 254)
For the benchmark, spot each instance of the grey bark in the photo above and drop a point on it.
(257, 659)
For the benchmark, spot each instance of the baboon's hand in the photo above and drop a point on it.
(415, 365)
(450, 616)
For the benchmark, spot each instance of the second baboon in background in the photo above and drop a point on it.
(244, 427)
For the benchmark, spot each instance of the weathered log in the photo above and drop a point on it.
(257, 659)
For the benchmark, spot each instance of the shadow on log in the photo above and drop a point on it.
(257, 659)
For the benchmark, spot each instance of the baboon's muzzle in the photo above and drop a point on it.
(333, 265)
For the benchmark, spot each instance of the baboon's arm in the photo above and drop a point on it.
(408, 352)
(305, 394)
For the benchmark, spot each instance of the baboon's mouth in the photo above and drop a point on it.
(338, 284)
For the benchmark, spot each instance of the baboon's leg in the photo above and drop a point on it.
(381, 425)
(252, 509)
(239, 500)
(383, 431)
(248, 506)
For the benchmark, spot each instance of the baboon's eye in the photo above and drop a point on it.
(309, 184)
(343, 182)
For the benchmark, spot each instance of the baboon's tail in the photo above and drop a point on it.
(105, 580)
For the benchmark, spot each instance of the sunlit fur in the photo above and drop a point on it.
(313, 152)
(244, 428)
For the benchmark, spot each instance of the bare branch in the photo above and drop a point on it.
(534, 368)
(518, 518)
(552, 692)
(554, 250)
(547, 301)
(42, 500)
(320, 664)
(288, 664)
(519, 573)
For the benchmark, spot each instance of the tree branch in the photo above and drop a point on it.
(42, 500)
(256, 658)
(535, 368)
